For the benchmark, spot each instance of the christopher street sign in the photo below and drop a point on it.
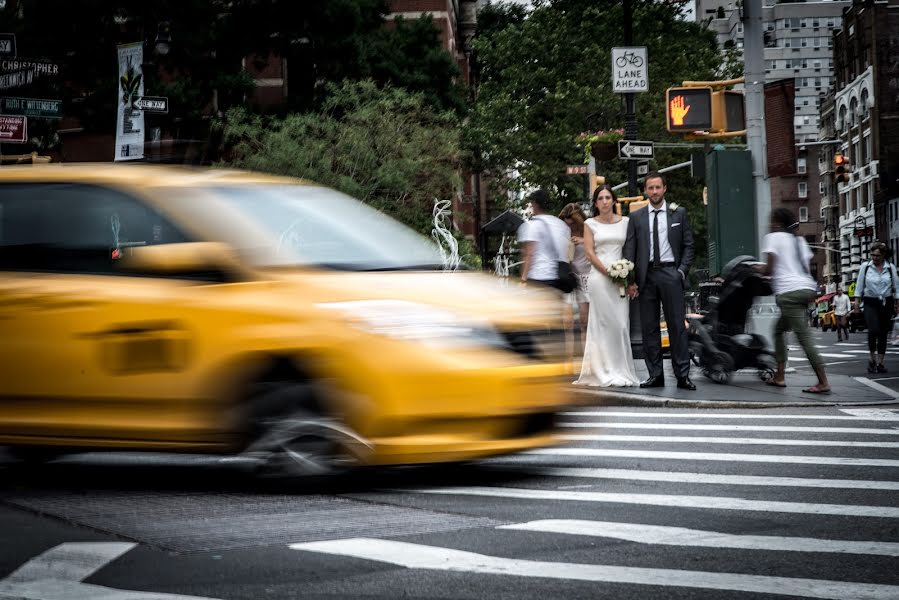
(633, 150)
(13, 129)
(159, 104)
(32, 107)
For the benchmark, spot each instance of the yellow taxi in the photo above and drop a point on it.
(160, 308)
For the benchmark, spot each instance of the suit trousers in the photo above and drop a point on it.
(664, 287)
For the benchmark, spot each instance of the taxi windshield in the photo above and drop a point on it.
(318, 226)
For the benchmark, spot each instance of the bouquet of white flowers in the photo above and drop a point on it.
(622, 272)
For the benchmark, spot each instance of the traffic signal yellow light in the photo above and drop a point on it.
(688, 109)
(841, 168)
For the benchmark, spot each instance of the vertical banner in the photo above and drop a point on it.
(129, 135)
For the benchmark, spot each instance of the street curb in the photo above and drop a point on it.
(588, 397)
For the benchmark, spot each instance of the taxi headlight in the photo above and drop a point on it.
(403, 320)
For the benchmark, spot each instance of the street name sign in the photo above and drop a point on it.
(8, 45)
(157, 104)
(16, 79)
(31, 107)
(13, 129)
(630, 70)
(39, 67)
(642, 169)
(577, 169)
(634, 150)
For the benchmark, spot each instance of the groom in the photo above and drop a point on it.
(660, 244)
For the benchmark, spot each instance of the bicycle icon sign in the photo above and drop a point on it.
(630, 70)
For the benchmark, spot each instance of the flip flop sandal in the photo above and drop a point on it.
(815, 390)
(775, 384)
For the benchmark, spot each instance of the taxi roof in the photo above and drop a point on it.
(139, 175)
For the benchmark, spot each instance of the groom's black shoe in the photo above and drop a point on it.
(686, 384)
(653, 382)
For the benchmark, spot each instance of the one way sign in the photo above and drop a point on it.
(633, 150)
(158, 104)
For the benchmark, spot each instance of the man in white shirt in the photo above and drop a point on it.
(544, 242)
(841, 307)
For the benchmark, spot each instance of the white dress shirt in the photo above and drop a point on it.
(665, 252)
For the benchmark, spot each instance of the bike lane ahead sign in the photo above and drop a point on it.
(630, 70)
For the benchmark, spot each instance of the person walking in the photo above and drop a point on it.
(787, 257)
(876, 288)
(608, 360)
(577, 299)
(660, 244)
(544, 241)
(841, 308)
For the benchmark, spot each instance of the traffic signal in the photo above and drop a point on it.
(595, 182)
(841, 168)
(728, 111)
(688, 109)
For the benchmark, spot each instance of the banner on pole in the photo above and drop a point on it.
(130, 121)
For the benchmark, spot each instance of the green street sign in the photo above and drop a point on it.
(31, 107)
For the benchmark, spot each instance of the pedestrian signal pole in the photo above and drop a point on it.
(754, 76)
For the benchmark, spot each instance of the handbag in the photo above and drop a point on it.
(566, 279)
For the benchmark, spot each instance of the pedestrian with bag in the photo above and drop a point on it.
(545, 241)
(787, 263)
(876, 289)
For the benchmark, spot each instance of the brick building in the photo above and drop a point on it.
(865, 121)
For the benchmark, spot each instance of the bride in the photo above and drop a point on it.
(608, 360)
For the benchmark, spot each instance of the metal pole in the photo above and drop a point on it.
(754, 94)
(630, 114)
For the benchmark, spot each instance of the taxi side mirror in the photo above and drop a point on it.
(207, 261)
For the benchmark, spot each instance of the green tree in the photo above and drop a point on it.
(545, 78)
(385, 146)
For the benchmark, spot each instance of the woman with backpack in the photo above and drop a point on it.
(876, 289)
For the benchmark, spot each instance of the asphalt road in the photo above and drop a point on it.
(848, 357)
(642, 503)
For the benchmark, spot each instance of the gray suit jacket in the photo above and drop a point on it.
(680, 236)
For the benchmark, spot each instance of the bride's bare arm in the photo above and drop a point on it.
(591, 252)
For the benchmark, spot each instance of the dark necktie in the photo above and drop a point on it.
(656, 253)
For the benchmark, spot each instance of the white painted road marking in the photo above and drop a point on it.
(419, 556)
(57, 574)
(719, 456)
(680, 536)
(679, 501)
(695, 427)
(724, 440)
(876, 386)
(636, 475)
(857, 414)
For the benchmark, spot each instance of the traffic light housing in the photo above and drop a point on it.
(688, 109)
(595, 182)
(728, 111)
(841, 168)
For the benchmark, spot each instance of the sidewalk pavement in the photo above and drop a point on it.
(745, 390)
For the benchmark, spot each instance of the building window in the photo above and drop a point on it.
(822, 188)
(800, 166)
(823, 213)
(803, 193)
(803, 214)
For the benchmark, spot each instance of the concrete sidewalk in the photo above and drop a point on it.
(745, 390)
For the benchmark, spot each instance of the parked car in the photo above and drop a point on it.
(159, 308)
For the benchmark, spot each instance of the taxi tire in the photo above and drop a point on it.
(293, 437)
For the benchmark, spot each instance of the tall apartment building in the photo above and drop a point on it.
(863, 114)
(798, 47)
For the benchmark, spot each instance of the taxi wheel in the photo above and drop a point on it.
(294, 437)
(34, 456)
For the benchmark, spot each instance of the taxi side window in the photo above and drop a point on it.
(74, 227)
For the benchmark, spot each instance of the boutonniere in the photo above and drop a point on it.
(673, 206)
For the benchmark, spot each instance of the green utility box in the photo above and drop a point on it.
(731, 207)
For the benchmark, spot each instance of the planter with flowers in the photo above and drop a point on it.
(602, 144)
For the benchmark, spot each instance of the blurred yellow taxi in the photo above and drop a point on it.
(158, 308)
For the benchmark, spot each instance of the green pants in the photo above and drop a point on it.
(794, 317)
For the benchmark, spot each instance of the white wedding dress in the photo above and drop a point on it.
(608, 360)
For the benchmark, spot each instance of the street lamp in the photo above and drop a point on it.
(163, 43)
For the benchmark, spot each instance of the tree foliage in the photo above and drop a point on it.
(385, 146)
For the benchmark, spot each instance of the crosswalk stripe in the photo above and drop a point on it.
(718, 456)
(420, 556)
(724, 440)
(680, 536)
(670, 500)
(637, 475)
(72, 561)
(867, 415)
(700, 427)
